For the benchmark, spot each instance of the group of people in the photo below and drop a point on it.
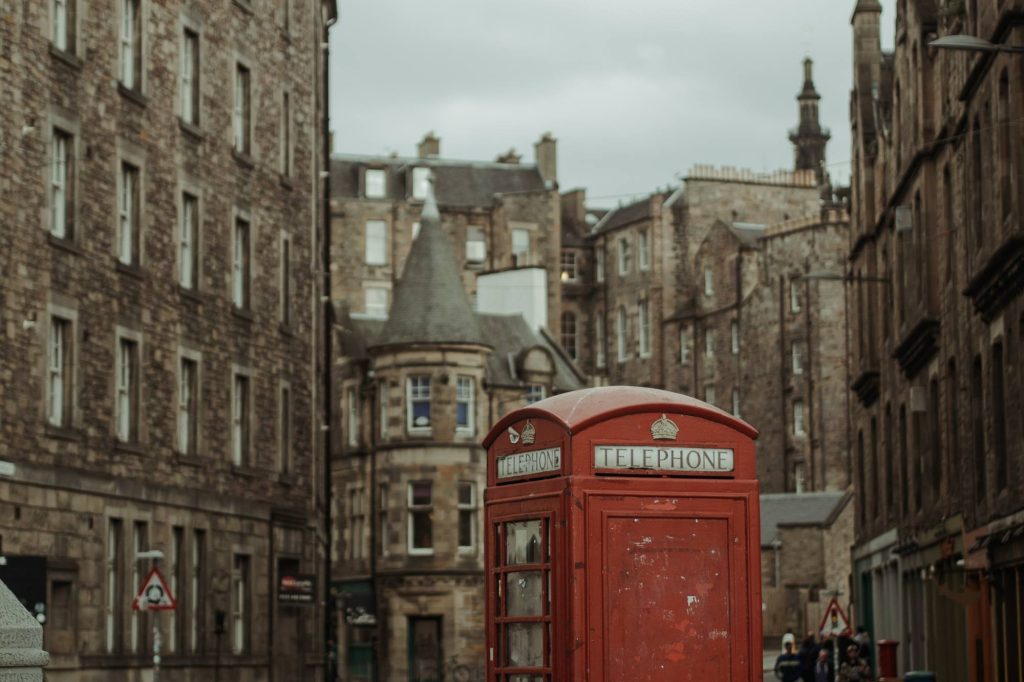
(813, 662)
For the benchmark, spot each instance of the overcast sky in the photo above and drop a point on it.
(635, 92)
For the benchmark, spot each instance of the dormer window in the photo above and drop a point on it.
(375, 181)
(420, 180)
(418, 404)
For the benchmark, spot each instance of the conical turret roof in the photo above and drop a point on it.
(430, 304)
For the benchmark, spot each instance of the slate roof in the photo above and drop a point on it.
(458, 183)
(430, 304)
(799, 509)
(624, 215)
(510, 335)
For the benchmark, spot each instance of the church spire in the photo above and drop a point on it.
(430, 303)
(809, 138)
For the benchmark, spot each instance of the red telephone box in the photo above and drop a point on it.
(622, 541)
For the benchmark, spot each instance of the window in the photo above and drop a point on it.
(286, 134)
(416, 229)
(520, 245)
(188, 398)
(356, 515)
(684, 346)
(644, 327)
(620, 335)
(138, 629)
(568, 265)
(624, 256)
(196, 591)
(383, 518)
(128, 216)
(375, 180)
(285, 302)
(535, 393)
(418, 403)
(64, 25)
(599, 355)
(735, 402)
(794, 295)
(62, 183)
(476, 245)
(734, 336)
(188, 245)
(798, 358)
(709, 343)
(240, 265)
(643, 248)
(190, 77)
(421, 518)
(1002, 463)
(1004, 146)
(60, 380)
(114, 606)
(240, 604)
(420, 182)
(569, 334)
(376, 242)
(176, 578)
(376, 302)
(978, 427)
(383, 409)
(599, 265)
(243, 110)
(131, 45)
(464, 402)
(127, 391)
(352, 403)
(240, 420)
(709, 281)
(467, 516)
(798, 418)
(284, 430)
(709, 394)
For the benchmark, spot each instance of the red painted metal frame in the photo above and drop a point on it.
(574, 496)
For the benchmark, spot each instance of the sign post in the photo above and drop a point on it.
(154, 595)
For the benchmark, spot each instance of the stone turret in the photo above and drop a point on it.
(809, 138)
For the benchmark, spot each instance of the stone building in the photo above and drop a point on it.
(159, 329)
(505, 215)
(417, 390)
(938, 331)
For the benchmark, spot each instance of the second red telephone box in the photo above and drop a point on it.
(622, 541)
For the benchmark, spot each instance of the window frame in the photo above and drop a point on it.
(190, 77)
(128, 387)
(241, 417)
(599, 262)
(535, 393)
(625, 258)
(472, 244)
(188, 405)
(799, 419)
(419, 181)
(709, 342)
(352, 416)
(621, 340)
(462, 382)
(241, 603)
(129, 212)
(569, 272)
(797, 358)
(131, 46)
(285, 428)
(284, 299)
(286, 136)
(516, 235)
(415, 394)
(370, 188)
(414, 509)
(466, 510)
(241, 263)
(643, 246)
(709, 280)
(242, 110)
(600, 352)
(64, 25)
(188, 242)
(734, 337)
(643, 314)
(570, 336)
(60, 370)
(795, 302)
(62, 183)
(375, 236)
(377, 312)
(684, 345)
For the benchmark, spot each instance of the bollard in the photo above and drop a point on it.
(21, 641)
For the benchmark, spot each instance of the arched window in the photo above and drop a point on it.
(569, 334)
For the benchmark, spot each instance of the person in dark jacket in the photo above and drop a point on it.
(808, 654)
(787, 665)
(822, 670)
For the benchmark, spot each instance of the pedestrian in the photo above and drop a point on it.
(788, 637)
(854, 668)
(863, 640)
(822, 667)
(808, 654)
(787, 665)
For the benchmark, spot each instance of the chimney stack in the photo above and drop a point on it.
(430, 146)
(510, 157)
(546, 154)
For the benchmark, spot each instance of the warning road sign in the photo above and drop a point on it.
(154, 595)
(834, 623)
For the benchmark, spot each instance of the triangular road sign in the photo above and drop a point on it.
(834, 623)
(154, 595)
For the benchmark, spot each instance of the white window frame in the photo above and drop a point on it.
(286, 134)
(643, 245)
(242, 112)
(60, 371)
(600, 359)
(188, 405)
(599, 262)
(620, 335)
(570, 334)
(285, 284)
(129, 206)
(375, 181)
(285, 427)
(241, 575)
(190, 85)
(709, 342)
(644, 327)
(61, 30)
(415, 229)
(376, 243)
(535, 393)
(130, 43)
(796, 352)
(377, 309)
(241, 269)
(128, 402)
(112, 615)
(241, 417)
(799, 429)
(569, 263)
(418, 389)
(352, 410)
(188, 242)
(383, 408)
(519, 248)
(735, 402)
(624, 256)
(709, 281)
(734, 334)
(476, 244)
(383, 518)
(420, 182)
(356, 520)
(470, 509)
(684, 345)
(465, 393)
(59, 191)
(794, 295)
(414, 509)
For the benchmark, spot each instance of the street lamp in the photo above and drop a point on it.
(973, 44)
